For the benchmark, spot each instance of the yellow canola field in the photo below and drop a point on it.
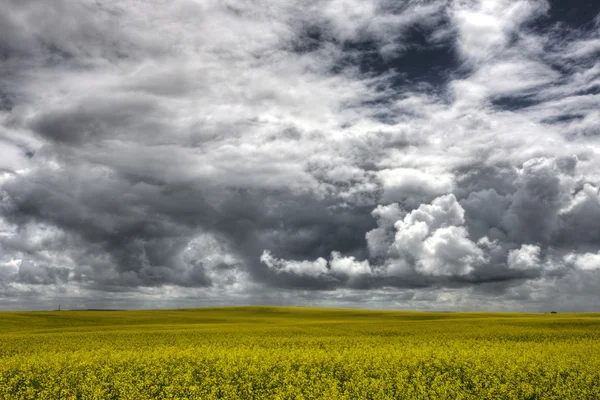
(298, 353)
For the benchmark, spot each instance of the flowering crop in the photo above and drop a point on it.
(297, 353)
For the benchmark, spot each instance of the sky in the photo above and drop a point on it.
(426, 155)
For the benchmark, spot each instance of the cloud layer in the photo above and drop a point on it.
(431, 155)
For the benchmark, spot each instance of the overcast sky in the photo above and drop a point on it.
(352, 153)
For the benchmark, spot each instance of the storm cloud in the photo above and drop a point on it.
(380, 154)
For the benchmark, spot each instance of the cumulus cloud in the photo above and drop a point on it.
(374, 153)
(335, 271)
(431, 238)
(449, 252)
(434, 238)
(586, 261)
(411, 185)
(309, 268)
(527, 257)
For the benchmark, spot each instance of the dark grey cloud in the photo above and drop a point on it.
(336, 152)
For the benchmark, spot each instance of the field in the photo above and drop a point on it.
(298, 353)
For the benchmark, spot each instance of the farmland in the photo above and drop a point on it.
(298, 353)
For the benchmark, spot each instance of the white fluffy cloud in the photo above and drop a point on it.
(585, 262)
(309, 268)
(434, 238)
(485, 26)
(431, 238)
(525, 258)
(338, 266)
(443, 211)
(449, 251)
(409, 183)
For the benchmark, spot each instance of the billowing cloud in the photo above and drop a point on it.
(586, 262)
(438, 154)
(527, 257)
(433, 238)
